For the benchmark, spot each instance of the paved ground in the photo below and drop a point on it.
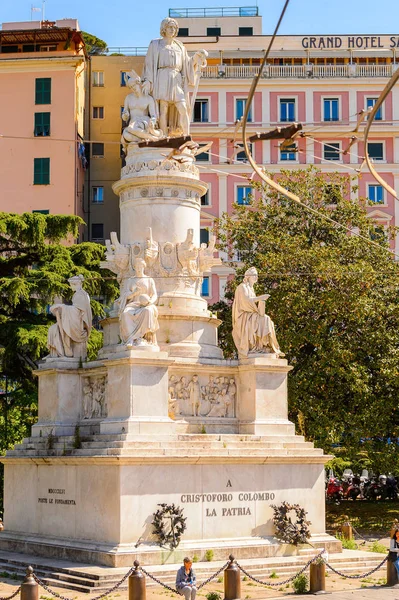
(369, 594)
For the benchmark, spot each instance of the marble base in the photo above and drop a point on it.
(106, 501)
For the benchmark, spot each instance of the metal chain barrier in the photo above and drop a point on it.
(12, 595)
(213, 576)
(359, 535)
(167, 587)
(278, 583)
(201, 585)
(57, 595)
(357, 576)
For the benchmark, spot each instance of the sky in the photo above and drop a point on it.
(135, 23)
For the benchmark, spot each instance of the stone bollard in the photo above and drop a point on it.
(317, 578)
(137, 589)
(232, 581)
(347, 531)
(29, 587)
(392, 574)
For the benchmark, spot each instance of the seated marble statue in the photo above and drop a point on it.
(141, 113)
(253, 331)
(68, 336)
(138, 315)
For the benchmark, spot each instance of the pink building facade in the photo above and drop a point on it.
(42, 73)
(322, 82)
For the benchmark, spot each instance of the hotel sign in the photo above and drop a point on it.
(350, 42)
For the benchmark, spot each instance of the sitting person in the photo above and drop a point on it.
(185, 580)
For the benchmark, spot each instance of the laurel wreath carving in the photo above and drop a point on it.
(169, 525)
(287, 531)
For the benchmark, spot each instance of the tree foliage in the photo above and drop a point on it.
(334, 300)
(35, 264)
(94, 45)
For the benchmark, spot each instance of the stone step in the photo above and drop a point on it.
(191, 446)
(90, 579)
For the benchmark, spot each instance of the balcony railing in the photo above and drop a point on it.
(231, 11)
(126, 50)
(298, 71)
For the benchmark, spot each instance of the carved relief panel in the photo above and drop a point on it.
(94, 404)
(210, 396)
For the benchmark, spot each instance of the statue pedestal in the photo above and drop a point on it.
(263, 406)
(138, 394)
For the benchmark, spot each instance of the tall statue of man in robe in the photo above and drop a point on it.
(168, 72)
(253, 330)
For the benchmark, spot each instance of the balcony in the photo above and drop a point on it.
(298, 71)
(232, 11)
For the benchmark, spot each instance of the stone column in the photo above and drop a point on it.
(160, 203)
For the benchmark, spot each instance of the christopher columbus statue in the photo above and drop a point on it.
(168, 73)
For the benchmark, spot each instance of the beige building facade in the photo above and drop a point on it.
(42, 84)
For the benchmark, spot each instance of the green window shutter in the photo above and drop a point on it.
(41, 171)
(42, 124)
(43, 90)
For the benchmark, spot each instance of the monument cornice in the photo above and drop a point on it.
(164, 459)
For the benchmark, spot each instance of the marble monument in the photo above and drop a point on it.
(160, 416)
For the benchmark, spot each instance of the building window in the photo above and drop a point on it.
(42, 124)
(204, 236)
(203, 156)
(376, 193)
(98, 78)
(213, 31)
(240, 109)
(201, 111)
(97, 150)
(48, 48)
(370, 103)
(41, 171)
(244, 31)
(289, 153)
(244, 194)
(183, 32)
(205, 199)
(123, 78)
(287, 109)
(97, 231)
(44, 211)
(241, 156)
(332, 151)
(43, 90)
(98, 112)
(205, 286)
(331, 109)
(97, 195)
(375, 150)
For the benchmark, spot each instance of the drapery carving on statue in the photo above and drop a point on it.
(68, 336)
(168, 72)
(141, 114)
(198, 397)
(253, 330)
(94, 397)
(138, 315)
